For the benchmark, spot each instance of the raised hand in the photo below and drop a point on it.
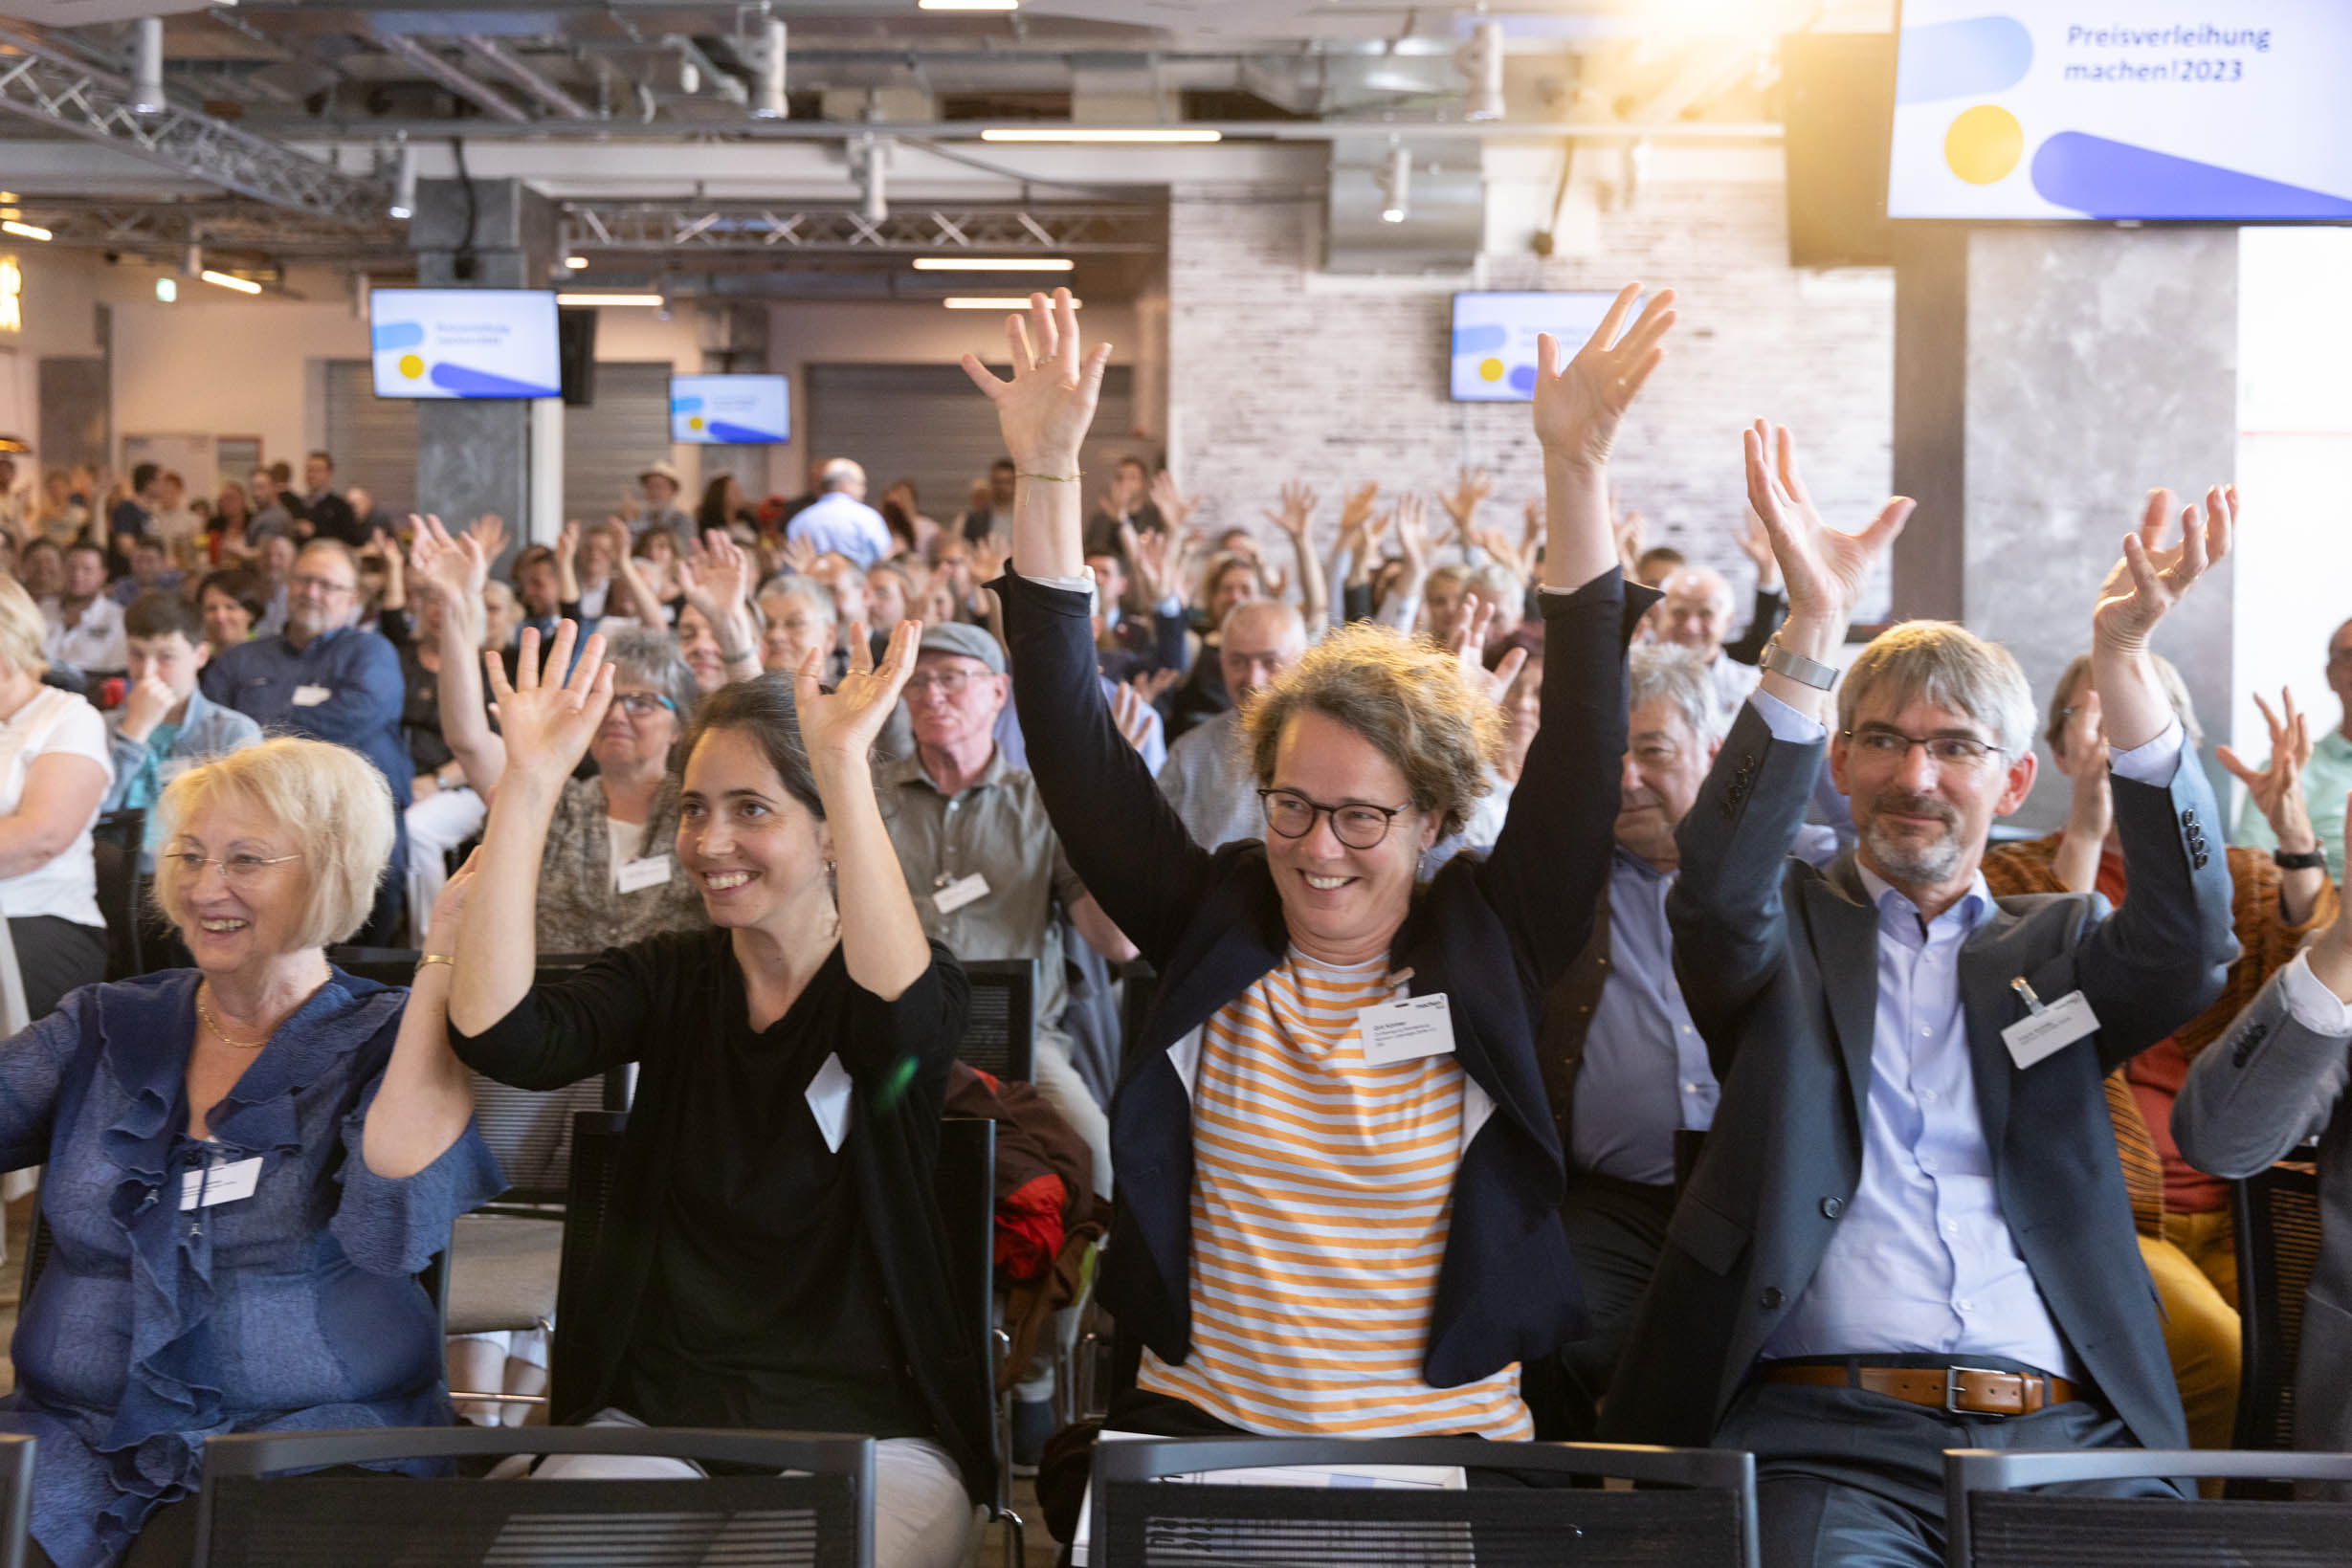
(716, 575)
(2276, 788)
(1461, 503)
(1578, 405)
(799, 557)
(1469, 648)
(989, 558)
(1173, 504)
(1755, 542)
(1356, 505)
(1412, 534)
(550, 712)
(443, 926)
(1152, 684)
(2141, 589)
(839, 725)
(1825, 567)
(1297, 509)
(456, 568)
(1044, 410)
(1131, 712)
(1499, 548)
(489, 530)
(1153, 562)
(1628, 528)
(567, 541)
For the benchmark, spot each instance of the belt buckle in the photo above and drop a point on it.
(1951, 1389)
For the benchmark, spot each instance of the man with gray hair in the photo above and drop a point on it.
(1907, 1217)
(1207, 777)
(839, 520)
(1696, 614)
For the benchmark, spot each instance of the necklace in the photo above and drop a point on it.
(222, 1035)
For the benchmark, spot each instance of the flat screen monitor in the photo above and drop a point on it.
(1494, 357)
(2115, 109)
(730, 411)
(464, 343)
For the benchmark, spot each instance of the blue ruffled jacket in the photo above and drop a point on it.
(152, 1328)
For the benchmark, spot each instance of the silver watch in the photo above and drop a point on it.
(1805, 671)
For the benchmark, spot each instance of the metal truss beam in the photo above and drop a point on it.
(164, 227)
(1099, 230)
(44, 83)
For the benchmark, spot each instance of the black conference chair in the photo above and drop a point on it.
(594, 1178)
(2277, 1219)
(965, 1184)
(17, 1456)
(115, 840)
(249, 1517)
(1691, 1507)
(1000, 1036)
(1994, 1520)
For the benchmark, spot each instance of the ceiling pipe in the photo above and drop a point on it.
(147, 69)
(481, 94)
(523, 74)
(769, 101)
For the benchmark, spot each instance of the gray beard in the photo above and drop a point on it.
(1902, 861)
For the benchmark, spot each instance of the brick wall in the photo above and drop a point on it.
(1274, 372)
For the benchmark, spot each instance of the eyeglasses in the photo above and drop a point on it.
(637, 704)
(1885, 745)
(236, 869)
(946, 682)
(323, 585)
(1357, 825)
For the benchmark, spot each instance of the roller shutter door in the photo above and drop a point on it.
(373, 439)
(608, 443)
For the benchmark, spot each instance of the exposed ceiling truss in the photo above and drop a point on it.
(51, 87)
(591, 227)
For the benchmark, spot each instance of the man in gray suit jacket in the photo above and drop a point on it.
(2274, 1078)
(1908, 1231)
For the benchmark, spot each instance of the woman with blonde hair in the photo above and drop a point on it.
(248, 1161)
(55, 771)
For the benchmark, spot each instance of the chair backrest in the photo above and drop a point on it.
(2277, 1225)
(1693, 1508)
(1993, 1520)
(594, 1178)
(965, 1183)
(17, 1456)
(817, 1519)
(115, 841)
(1000, 1036)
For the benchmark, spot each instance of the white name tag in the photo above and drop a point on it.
(1406, 1028)
(963, 890)
(221, 1184)
(637, 875)
(2052, 1029)
(829, 1102)
(310, 696)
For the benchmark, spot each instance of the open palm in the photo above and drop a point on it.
(1825, 567)
(1578, 408)
(1047, 405)
(844, 721)
(550, 712)
(2141, 589)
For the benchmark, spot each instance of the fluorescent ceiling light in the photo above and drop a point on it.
(992, 264)
(968, 5)
(166, 289)
(229, 280)
(990, 301)
(24, 231)
(577, 263)
(1024, 133)
(648, 299)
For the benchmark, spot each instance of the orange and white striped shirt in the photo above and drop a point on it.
(1321, 1192)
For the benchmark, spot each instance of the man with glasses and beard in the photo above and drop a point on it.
(324, 677)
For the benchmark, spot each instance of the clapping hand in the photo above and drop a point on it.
(1044, 410)
(839, 726)
(1578, 405)
(2276, 788)
(2141, 589)
(550, 711)
(1825, 567)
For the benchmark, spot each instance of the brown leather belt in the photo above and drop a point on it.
(1969, 1390)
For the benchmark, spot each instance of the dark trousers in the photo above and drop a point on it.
(1615, 1231)
(1846, 1479)
(56, 956)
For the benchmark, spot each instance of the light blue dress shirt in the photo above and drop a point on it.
(1645, 1071)
(841, 523)
(1922, 1259)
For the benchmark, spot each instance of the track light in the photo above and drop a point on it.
(869, 160)
(24, 231)
(403, 183)
(147, 69)
(1396, 186)
(767, 100)
(1481, 61)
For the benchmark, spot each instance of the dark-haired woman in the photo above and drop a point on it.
(774, 1258)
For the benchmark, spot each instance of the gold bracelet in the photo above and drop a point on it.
(436, 957)
(1058, 478)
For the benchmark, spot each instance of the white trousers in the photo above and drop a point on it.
(1059, 1083)
(921, 1516)
(436, 827)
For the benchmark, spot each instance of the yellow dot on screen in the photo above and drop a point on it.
(1983, 143)
(694, 422)
(1490, 369)
(412, 366)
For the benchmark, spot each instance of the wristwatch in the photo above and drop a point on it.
(2307, 860)
(1805, 671)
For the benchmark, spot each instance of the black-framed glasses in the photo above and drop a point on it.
(1353, 823)
(637, 704)
(323, 584)
(1887, 745)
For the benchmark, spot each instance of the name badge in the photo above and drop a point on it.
(829, 1102)
(637, 875)
(963, 890)
(171, 768)
(1406, 1028)
(220, 1184)
(2046, 1031)
(310, 696)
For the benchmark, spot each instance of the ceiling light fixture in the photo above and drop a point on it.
(648, 300)
(404, 184)
(167, 289)
(993, 264)
(25, 230)
(577, 263)
(1396, 186)
(229, 280)
(1028, 133)
(990, 301)
(769, 100)
(147, 69)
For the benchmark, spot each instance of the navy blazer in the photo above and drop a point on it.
(1779, 964)
(1492, 934)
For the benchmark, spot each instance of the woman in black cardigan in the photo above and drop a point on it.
(774, 1258)
(1250, 940)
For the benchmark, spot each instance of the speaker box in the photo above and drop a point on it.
(575, 346)
(1838, 114)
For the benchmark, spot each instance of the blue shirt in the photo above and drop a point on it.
(206, 730)
(1645, 1071)
(1922, 1259)
(342, 686)
(841, 523)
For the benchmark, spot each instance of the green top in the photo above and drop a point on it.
(2326, 778)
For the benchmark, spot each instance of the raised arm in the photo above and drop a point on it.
(2276, 790)
(459, 570)
(719, 580)
(2138, 592)
(883, 943)
(427, 1095)
(1044, 411)
(1295, 519)
(567, 564)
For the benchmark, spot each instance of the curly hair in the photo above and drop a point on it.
(1405, 695)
